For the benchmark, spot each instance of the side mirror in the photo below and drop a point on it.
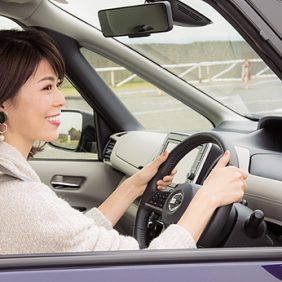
(136, 21)
(76, 132)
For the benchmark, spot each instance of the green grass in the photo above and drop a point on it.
(72, 145)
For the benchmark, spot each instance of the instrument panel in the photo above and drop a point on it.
(189, 167)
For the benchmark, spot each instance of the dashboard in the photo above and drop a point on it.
(128, 152)
(153, 144)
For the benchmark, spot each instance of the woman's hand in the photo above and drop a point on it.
(223, 186)
(140, 180)
(120, 200)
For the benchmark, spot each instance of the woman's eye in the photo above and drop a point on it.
(48, 87)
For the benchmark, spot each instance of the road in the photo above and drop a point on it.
(165, 112)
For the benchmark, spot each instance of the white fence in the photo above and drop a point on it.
(204, 71)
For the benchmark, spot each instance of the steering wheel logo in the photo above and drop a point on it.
(175, 202)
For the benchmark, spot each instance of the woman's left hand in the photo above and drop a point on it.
(140, 179)
(120, 200)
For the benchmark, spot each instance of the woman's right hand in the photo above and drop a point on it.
(224, 185)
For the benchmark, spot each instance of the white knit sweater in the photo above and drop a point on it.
(33, 219)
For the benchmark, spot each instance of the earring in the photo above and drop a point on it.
(3, 118)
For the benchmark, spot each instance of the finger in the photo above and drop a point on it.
(160, 159)
(163, 183)
(244, 184)
(239, 172)
(224, 160)
(162, 187)
(244, 173)
(168, 178)
(173, 172)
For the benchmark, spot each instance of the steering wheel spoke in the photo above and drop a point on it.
(157, 200)
(177, 202)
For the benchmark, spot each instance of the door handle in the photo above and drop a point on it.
(66, 182)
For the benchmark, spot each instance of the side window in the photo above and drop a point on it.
(6, 23)
(152, 107)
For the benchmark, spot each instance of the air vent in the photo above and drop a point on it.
(108, 150)
(189, 13)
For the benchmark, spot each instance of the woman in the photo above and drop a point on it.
(33, 219)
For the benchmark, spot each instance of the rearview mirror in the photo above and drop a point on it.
(136, 21)
(184, 15)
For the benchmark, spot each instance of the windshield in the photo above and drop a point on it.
(213, 58)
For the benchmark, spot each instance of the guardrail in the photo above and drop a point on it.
(205, 71)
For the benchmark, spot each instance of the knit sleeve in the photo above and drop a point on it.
(99, 218)
(174, 237)
(35, 220)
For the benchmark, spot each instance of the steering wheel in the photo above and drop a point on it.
(171, 207)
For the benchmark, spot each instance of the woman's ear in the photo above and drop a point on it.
(5, 105)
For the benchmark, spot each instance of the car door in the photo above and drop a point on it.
(166, 266)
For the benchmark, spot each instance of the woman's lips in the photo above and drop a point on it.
(54, 120)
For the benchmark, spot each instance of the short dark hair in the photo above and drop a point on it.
(21, 51)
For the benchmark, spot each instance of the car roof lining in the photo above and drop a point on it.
(18, 1)
(18, 9)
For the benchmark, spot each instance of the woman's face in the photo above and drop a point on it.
(34, 114)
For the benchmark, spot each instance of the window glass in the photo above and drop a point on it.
(6, 23)
(214, 58)
(152, 107)
(218, 61)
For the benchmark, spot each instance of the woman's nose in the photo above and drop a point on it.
(60, 99)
